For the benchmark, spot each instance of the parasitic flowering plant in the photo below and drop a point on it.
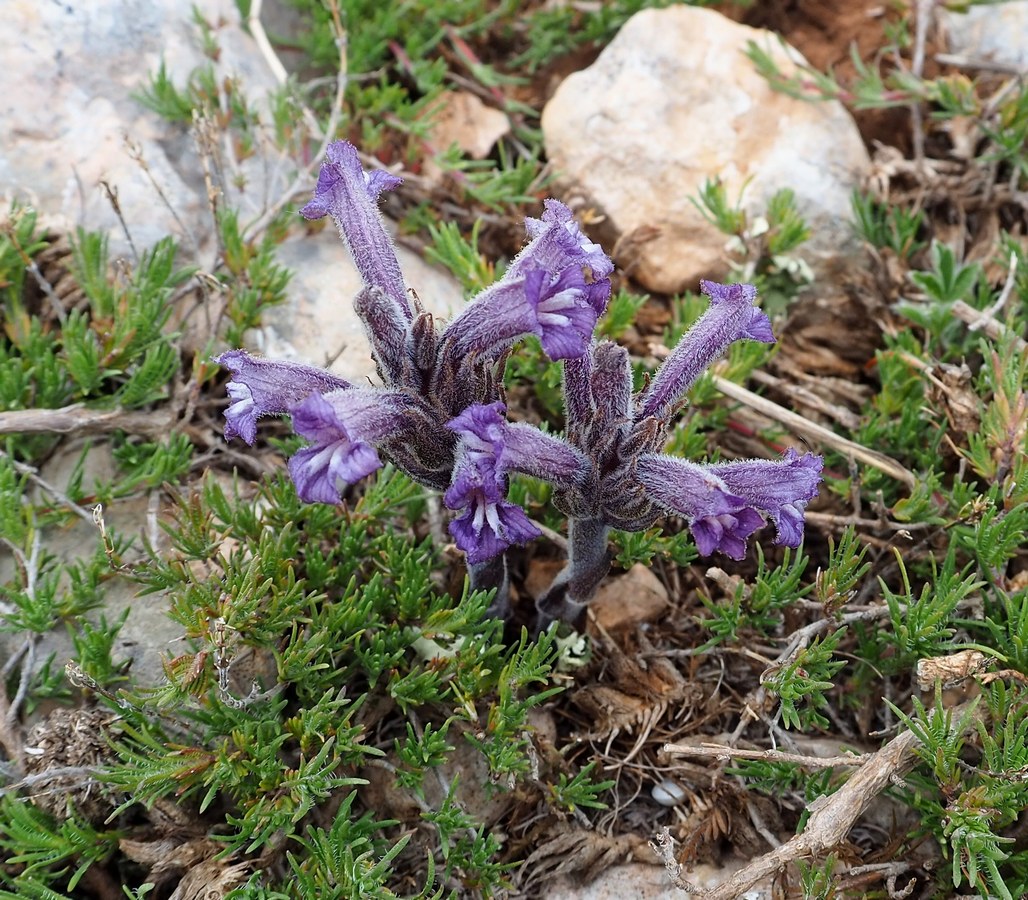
(439, 415)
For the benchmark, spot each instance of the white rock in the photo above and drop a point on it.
(672, 101)
(997, 33)
(640, 881)
(69, 73)
(64, 134)
(461, 118)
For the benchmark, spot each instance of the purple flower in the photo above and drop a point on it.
(778, 488)
(490, 523)
(262, 387)
(717, 518)
(558, 244)
(349, 195)
(489, 447)
(731, 317)
(343, 428)
(491, 443)
(555, 308)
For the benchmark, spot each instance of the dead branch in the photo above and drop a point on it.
(44, 485)
(85, 775)
(719, 751)
(979, 320)
(79, 419)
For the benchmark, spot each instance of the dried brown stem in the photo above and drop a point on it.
(970, 62)
(45, 485)
(78, 419)
(979, 320)
(719, 751)
(832, 817)
(303, 179)
(87, 774)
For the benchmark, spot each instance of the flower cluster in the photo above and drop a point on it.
(440, 416)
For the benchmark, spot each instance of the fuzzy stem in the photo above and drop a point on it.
(485, 576)
(575, 585)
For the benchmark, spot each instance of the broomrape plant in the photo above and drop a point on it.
(440, 416)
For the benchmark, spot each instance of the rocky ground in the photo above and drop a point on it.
(633, 128)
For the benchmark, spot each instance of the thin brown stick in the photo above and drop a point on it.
(85, 773)
(79, 419)
(304, 179)
(45, 486)
(256, 28)
(922, 14)
(8, 230)
(992, 327)
(719, 751)
(980, 63)
(817, 432)
(804, 397)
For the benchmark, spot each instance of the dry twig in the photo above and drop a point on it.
(79, 419)
(719, 751)
(303, 179)
(979, 320)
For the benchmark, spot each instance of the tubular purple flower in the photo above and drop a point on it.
(717, 518)
(731, 317)
(349, 195)
(342, 427)
(494, 444)
(490, 523)
(578, 399)
(557, 244)
(778, 488)
(556, 309)
(263, 387)
(611, 383)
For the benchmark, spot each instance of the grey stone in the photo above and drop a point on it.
(147, 633)
(69, 75)
(995, 33)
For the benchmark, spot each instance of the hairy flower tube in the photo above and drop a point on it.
(439, 415)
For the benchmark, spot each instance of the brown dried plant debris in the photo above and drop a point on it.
(570, 850)
(834, 330)
(71, 739)
(54, 264)
(631, 693)
(967, 203)
(211, 880)
(723, 819)
(168, 855)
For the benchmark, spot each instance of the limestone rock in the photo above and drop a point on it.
(672, 101)
(997, 33)
(70, 71)
(645, 881)
(147, 634)
(461, 118)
